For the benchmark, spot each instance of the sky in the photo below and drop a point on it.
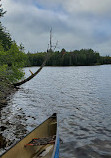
(75, 24)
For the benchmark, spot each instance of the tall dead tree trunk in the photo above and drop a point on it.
(43, 64)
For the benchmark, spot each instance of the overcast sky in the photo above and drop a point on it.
(76, 24)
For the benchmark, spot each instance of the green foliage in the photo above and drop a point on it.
(64, 58)
(106, 60)
(12, 56)
(35, 59)
(5, 38)
(83, 57)
(1, 11)
(3, 69)
(12, 62)
(14, 74)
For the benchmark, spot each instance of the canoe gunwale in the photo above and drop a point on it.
(53, 116)
(56, 142)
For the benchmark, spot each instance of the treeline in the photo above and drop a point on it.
(83, 57)
(12, 56)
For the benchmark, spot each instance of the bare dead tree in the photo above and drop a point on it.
(51, 39)
(49, 52)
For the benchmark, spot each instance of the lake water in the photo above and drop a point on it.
(82, 98)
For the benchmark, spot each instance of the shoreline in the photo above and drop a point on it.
(6, 89)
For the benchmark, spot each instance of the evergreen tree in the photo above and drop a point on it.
(1, 11)
(5, 37)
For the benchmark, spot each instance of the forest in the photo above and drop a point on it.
(83, 57)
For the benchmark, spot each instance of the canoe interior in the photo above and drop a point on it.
(46, 129)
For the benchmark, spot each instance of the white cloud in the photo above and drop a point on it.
(76, 24)
(80, 6)
(90, 6)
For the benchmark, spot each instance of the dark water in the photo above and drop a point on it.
(82, 98)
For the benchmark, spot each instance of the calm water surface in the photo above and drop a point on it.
(82, 98)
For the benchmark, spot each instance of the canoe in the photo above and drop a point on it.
(42, 142)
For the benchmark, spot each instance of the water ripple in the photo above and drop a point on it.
(80, 96)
